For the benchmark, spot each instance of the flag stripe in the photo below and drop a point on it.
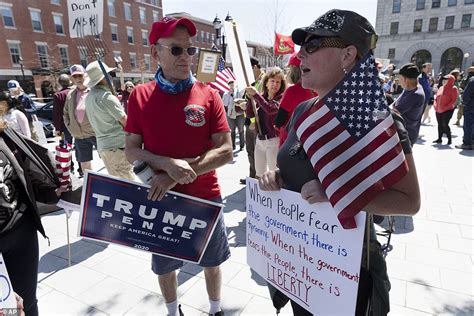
(360, 165)
(311, 120)
(333, 139)
(370, 181)
(357, 147)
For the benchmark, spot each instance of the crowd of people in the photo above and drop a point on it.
(198, 131)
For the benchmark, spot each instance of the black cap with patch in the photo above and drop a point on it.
(353, 28)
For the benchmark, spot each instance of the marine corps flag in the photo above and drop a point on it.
(283, 44)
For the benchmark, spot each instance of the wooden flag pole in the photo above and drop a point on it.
(247, 81)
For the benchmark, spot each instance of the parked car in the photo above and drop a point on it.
(44, 112)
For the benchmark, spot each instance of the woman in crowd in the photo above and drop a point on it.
(26, 176)
(125, 88)
(444, 104)
(292, 96)
(330, 48)
(268, 103)
(13, 114)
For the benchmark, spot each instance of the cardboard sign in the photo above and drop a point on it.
(117, 211)
(303, 250)
(207, 65)
(239, 54)
(7, 297)
(85, 17)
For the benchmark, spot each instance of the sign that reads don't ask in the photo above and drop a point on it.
(85, 17)
(303, 250)
(118, 211)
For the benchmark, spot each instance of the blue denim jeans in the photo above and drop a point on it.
(468, 138)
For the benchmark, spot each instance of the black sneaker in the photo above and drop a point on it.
(464, 147)
(219, 313)
(243, 181)
(180, 311)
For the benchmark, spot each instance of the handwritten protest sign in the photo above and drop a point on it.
(303, 251)
(85, 17)
(7, 298)
(117, 211)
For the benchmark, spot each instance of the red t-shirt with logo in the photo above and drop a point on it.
(179, 126)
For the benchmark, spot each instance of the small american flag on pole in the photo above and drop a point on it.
(352, 142)
(222, 77)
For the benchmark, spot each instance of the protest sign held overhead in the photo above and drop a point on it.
(118, 211)
(303, 250)
(85, 17)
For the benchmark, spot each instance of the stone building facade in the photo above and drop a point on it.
(419, 31)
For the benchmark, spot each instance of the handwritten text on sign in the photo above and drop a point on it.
(85, 17)
(303, 250)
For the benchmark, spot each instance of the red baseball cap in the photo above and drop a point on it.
(166, 26)
(294, 61)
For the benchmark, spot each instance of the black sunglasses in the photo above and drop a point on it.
(315, 43)
(177, 50)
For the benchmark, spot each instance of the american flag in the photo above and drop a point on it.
(352, 142)
(223, 75)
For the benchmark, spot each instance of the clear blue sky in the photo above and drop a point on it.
(257, 17)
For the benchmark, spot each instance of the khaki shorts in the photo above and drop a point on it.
(116, 163)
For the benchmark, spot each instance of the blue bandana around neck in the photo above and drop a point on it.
(173, 88)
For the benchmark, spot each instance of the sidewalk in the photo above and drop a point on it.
(430, 265)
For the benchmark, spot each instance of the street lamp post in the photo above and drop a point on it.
(219, 34)
(20, 61)
(466, 56)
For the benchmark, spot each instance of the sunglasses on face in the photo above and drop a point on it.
(312, 45)
(177, 50)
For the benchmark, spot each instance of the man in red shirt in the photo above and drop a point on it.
(178, 126)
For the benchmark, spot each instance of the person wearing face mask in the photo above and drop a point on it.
(178, 126)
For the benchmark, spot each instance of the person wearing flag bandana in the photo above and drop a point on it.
(345, 146)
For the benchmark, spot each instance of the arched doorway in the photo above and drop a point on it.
(451, 59)
(47, 89)
(420, 57)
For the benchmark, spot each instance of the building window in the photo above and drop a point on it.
(418, 25)
(56, 2)
(203, 36)
(391, 53)
(397, 5)
(7, 16)
(64, 56)
(208, 37)
(143, 15)
(449, 23)
(154, 2)
(114, 32)
(36, 20)
(42, 51)
(433, 27)
(117, 56)
(128, 11)
(468, 1)
(147, 62)
(420, 4)
(83, 56)
(111, 7)
(15, 54)
(213, 38)
(145, 37)
(133, 60)
(130, 35)
(393, 28)
(198, 36)
(436, 4)
(466, 21)
(452, 3)
(58, 23)
(156, 16)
